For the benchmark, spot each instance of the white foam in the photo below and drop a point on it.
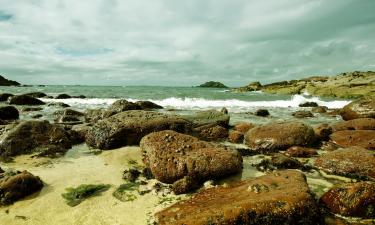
(234, 105)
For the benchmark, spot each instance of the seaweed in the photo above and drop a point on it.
(126, 192)
(75, 196)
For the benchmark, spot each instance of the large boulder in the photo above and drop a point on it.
(278, 198)
(355, 124)
(128, 128)
(360, 138)
(171, 156)
(9, 113)
(279, 136)
(352, 199)
(351, 162)
(209, 117)
(34, 136)
(363, 108)
(15, 186)
(24, 100)
(4, 97)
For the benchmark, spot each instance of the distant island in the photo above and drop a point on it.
(6, 82)
(213, 84)
(345, 85)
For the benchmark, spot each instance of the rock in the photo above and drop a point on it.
(24, 100)
(209, 117)
(224, 110)
(279, 135)
(297, 151)
(37, 116)
(4, 97)
(171, 156)
(123, 105)
(58, 104)
(81, 130)
(94, 115)
(302, 114)
(36, 94)
(147, 105)
(211, 132)
(63, 96)
(360, 138)
(308, 104)
(127, 128)
(131, 174)
(236, 137)
(6, 82)
(31, 109)
(319, 109)
(68, 116)
(79, 96)
(243, 127)
(352, 199)
(262, 112)
(16, 186)
(279, 161)
(185, 185)
(254, 86)
(322, 131)
(33, 136)
(279, 198)
(355, 124)
(351, 162)
(363, 108)
(9, 113)
(213, 84)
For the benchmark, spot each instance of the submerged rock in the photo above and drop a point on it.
(9, 113)
(279, 135)
(279, 161)
(363, 108)
(360, 138)
(353, 199)
(17, 186)
(172, 156)
(351, 162)
(278, 198)
(128, 128)
(24, 100)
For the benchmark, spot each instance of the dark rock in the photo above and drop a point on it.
(58, 104)
(131, 174)
(36, 94)
(24, 100)
(147, 105)
(32, 136)
(171, 156)
(262, 112)
(297, 151)
(279, 198)
(81, 131)
(319, 109)
(37, 116)
(279, 135)
(63, 96)
(17, 186)
(243, 127)
(211, 132)
(351, 162)
(9, 113)
(6, 82)
(224, 110)
(79, 96)
(185, 185)
(322, 131)
(302, 114)
(31, 109)
(308, 104)
(213, 84)
(279, 161)
(363, 108)
(4, 97)
(355, 124)
(352, 199)
(209, 117)
(127, 128)
(236, 136)
(360, 138)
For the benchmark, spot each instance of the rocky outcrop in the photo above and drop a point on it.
(15, 186)
(362, 108)
(278, 198)
(9, 113)
(209, 117)
(34, 136)
(360, 138)
(6, 82)
(171, 156)
(351, 162)
(355, 124)
(24, 100)
(128, 128)
(279, 135)
(352, 199)
(4, 97)
(213, 84)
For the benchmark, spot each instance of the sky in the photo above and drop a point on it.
(183, 43)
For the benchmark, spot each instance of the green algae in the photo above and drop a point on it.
(74, 196)
(126, 192)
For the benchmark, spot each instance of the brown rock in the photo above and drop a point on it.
(278, 198)
(363, 108)
(319, 109)
(279, 161)
(297, 151)
(360, 138)
(172, 156)
(302, 114)
(322, 131)
(243, 127)
(279, 135)
(351, 162)
(356, 124)
(353, 199)
(212, 132)
(236, 137)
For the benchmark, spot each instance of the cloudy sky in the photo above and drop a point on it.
(183, 43)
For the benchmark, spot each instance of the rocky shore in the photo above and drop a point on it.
(198, 168)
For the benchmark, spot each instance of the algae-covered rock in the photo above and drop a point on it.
(74, 196)
(362, 108)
